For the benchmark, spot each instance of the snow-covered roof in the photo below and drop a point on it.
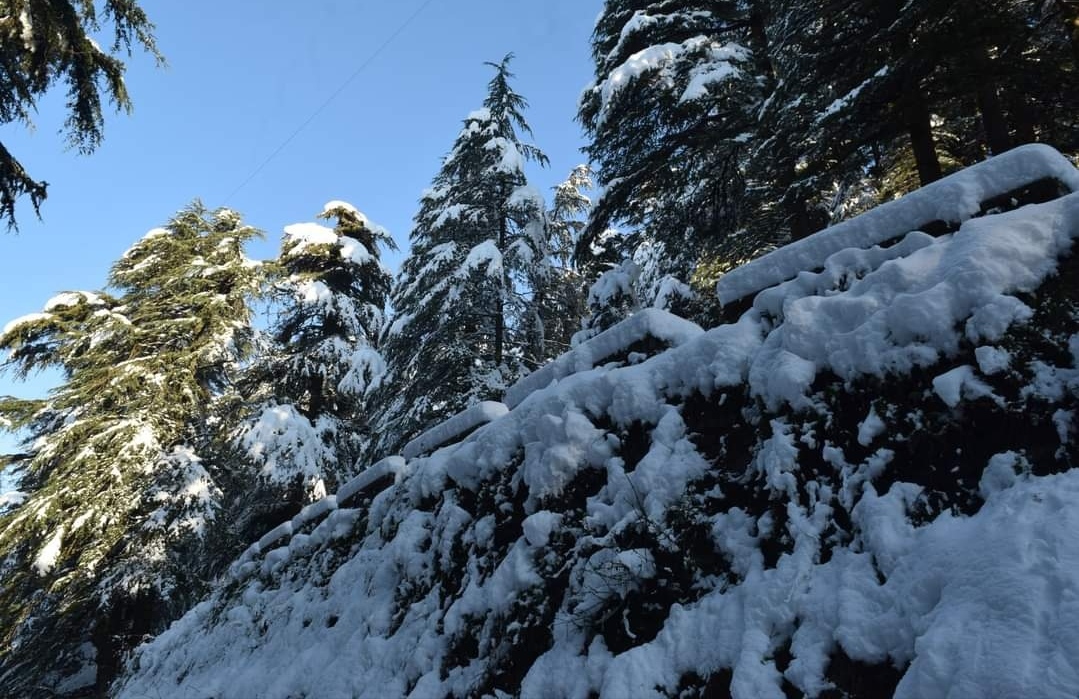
(390, 467)
(460, 424)
(953, 199)
(649, 322)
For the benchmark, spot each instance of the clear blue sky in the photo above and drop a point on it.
(242, 77)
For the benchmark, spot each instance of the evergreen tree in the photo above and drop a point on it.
(45, 43)
(669, 116)
(1008, 64)
(112, 541)
(307, 432)
(902, 92)
(462, 326)
(559, 299)
(611, 298)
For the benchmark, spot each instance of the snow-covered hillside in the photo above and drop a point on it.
(864, 486)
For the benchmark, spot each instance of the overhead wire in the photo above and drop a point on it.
(326, 103)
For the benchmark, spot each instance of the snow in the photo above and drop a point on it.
(304, 235)
(12, 498)
(485, 254)
(717, 64)
(336, 206)
(537, 527)
(525, 197)
(870, 428)
(23, 320)
(649, 322)
(510, 159)
(955, 198)
(315, 293)
(842, 102)
(481, 114)
(959, 383)
(49, 553)
(390, 465)
(1064, 421)
(430, 586)
(992, 360)
(615, 282)
(909, 311)
(284, 444)
(188, 501)
(366, 368)
(355, 252)
(27, 29)
(461, 423)
(73, 298)
(720, 69)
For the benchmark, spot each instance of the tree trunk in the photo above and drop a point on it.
(994, 123)
(1023, 120)
(316, 399)
(794, 204)
(500, 304)
(913, 107)
(798, 216)
(920, 128)
(997, 139)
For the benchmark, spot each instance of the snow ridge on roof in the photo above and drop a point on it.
(648, 322)
(953, 199)
(461, 423)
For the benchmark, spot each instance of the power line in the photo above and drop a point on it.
(336, 93)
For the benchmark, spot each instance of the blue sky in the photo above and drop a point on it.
(242, 77)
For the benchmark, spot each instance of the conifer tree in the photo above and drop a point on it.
(668, 115)
(45, 43)
(460, 330)
(558, 300)
(888, 96)
(307, 430)
(113, 539)
(611, 298)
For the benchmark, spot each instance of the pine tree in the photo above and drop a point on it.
(45, 43)
(308, 429)
(461, 326)
(669, 116)
(114, 539)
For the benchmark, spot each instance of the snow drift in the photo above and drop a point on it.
(863, 486)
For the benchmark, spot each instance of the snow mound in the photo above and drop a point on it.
(951, 200)
(865, 486)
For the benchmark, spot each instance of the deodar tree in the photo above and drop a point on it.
(43, 44)
(669, 116)
(116, 535)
